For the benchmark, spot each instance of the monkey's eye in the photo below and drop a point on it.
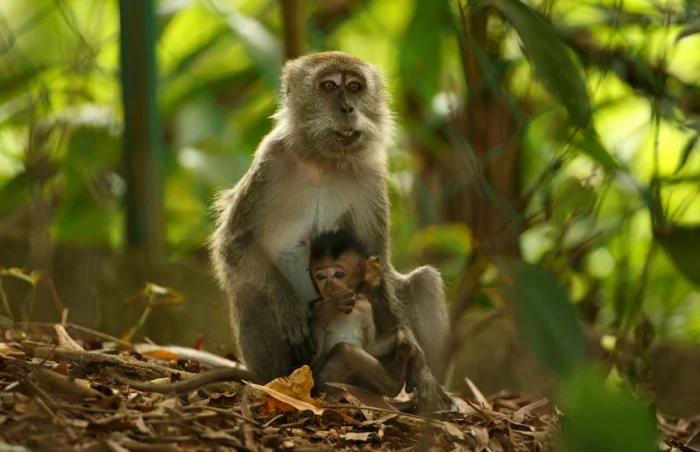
(339, 275)
(320, 276)
(328, 85)
(354, 87)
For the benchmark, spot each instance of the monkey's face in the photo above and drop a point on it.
(331, 275)
(349, 271)
(337, 102)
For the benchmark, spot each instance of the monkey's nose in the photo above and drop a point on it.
(347, 109)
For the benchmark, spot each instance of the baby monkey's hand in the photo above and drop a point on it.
(343, 300)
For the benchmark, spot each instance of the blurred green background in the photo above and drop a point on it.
(560, 132)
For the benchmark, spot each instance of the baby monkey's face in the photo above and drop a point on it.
(348, 271)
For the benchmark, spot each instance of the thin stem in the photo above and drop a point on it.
(5, 301)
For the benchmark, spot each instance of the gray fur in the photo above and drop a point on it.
(303, 181)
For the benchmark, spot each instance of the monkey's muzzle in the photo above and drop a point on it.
(348, 137)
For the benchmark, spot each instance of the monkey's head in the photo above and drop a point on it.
(334, 106)
(339, 261)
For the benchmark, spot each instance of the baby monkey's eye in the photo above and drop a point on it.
(320, 276)
(339, 275)
(354, 87)
(328, 85)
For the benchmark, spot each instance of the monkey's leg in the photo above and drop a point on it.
(261, 345)
(347, 363)
(424, 297)
(391, 341)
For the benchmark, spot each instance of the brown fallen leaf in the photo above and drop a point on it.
(353, 436)
(369, 398)
(694, 442)
(481, 435)
(478, 395)
(62, 384)
(65, 341)
(519, 415)
(281, 402)
(289, 393)
(8, 350)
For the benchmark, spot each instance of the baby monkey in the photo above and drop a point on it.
(348, 349)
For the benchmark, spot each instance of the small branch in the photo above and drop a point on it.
(83, 329)
(130, 366)
(61, 384)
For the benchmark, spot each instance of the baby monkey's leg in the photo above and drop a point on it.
(347, 363)
(397, 340)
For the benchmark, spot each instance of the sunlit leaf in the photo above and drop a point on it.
(546, 317)
(589, 144)
(552, 60)
(262, 46)
(687, 150)
(288, 393)
(682, 245)
(604, 420)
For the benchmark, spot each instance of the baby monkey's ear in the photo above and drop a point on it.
(373, 274)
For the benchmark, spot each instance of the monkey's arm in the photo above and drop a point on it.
(240, 261)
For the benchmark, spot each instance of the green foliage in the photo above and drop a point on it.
(552, 60)
(601, 419)
(546, 317)
(572, 199)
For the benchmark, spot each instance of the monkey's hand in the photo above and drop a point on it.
(343, 301)
(298, 334)
(431, 395)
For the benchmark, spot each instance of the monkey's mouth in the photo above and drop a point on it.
(347, 137)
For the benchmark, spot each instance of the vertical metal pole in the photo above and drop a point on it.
(142, 148)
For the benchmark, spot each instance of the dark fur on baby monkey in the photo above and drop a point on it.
(348, 349)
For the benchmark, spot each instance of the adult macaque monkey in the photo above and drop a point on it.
(348, 349)
(322, 167)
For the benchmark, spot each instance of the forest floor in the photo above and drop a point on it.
(59, 394)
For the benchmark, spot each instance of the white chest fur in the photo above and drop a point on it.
(306, 201)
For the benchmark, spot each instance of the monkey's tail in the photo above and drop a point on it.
(190, 384)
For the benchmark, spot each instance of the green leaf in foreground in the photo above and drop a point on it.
(589, 144)
(682, 246)
(600, 419)
(553, 63)
(546, 318)
(687, 150)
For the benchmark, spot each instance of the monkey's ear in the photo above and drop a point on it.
(373, 275)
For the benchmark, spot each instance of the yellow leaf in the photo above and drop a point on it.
(289, 393)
